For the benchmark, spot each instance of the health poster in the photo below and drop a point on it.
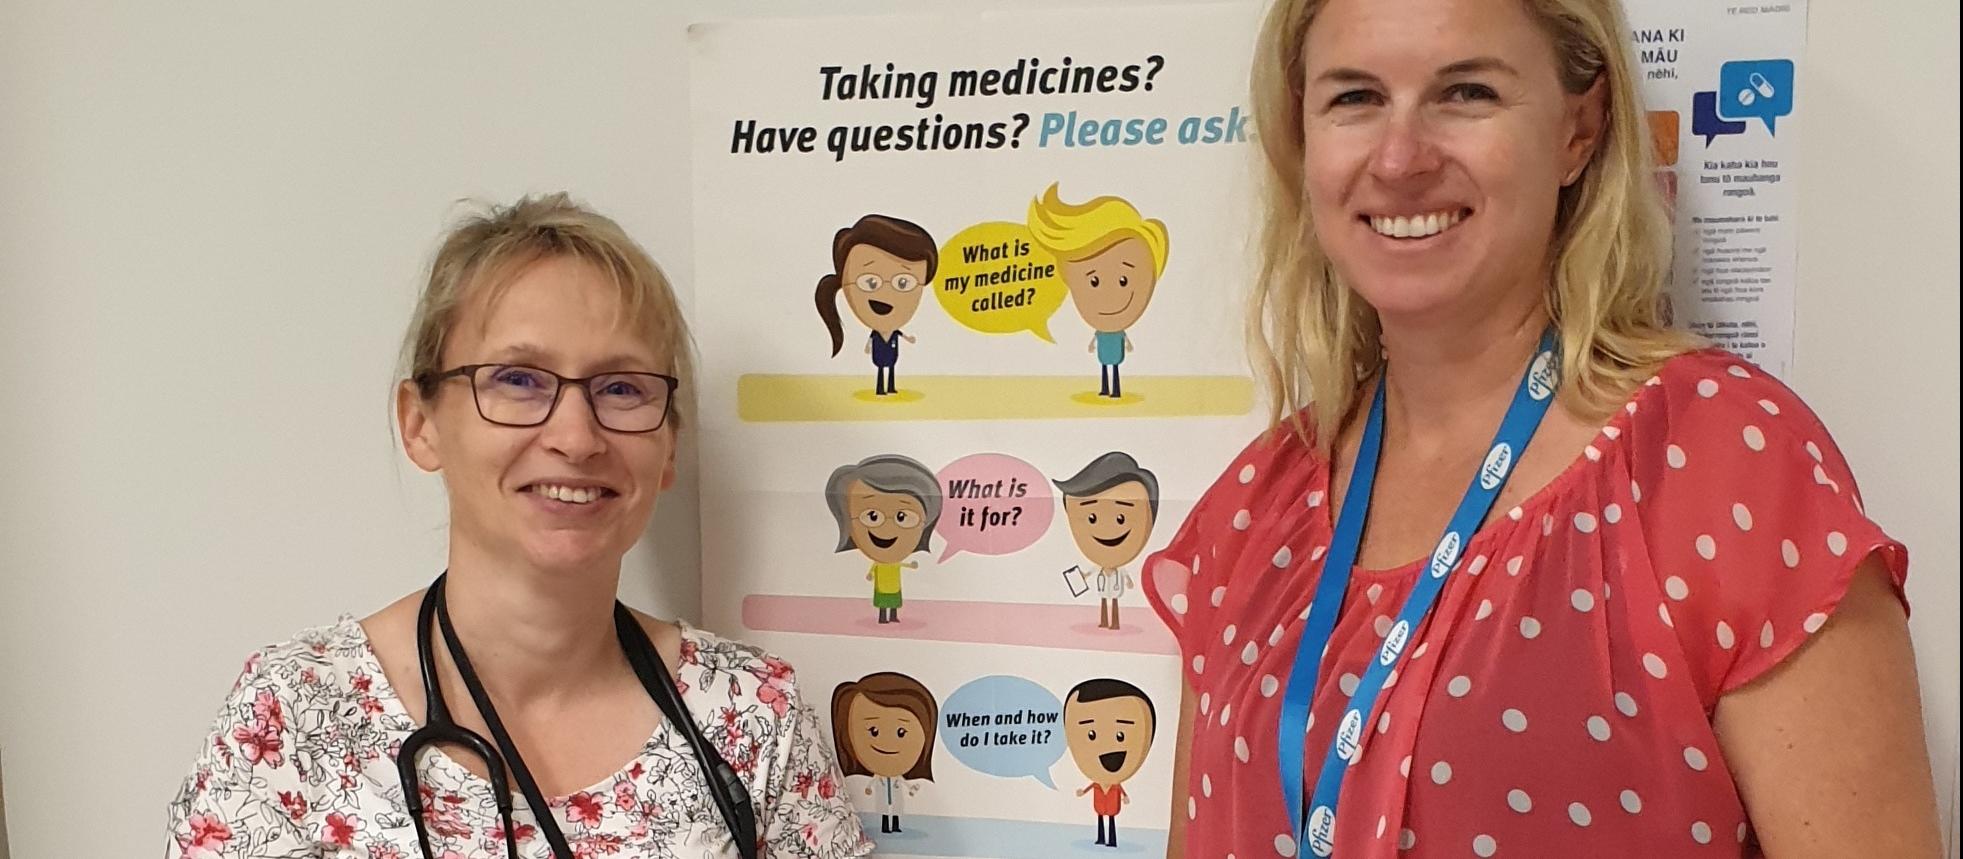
(1720, 83)
(969, 296)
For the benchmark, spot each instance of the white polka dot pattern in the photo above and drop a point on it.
(1712, 501)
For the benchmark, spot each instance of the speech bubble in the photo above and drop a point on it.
(994, 279)
(992, 504)
(1004, 726)
(1756, 88)
(1705, 121)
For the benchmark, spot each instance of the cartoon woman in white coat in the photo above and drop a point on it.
(883, 727)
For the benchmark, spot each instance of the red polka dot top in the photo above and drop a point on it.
(1558, 701)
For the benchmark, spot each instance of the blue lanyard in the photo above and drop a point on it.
(1317, 829)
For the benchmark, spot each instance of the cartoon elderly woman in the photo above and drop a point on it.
(883, 727)
(886, 507)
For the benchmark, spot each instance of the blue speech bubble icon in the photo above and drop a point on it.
(1705, 121)
(1756, 88)
(1004, 726)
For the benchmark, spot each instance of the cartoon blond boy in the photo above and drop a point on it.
(1110, 258)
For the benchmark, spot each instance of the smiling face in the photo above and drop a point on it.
(1108, 739)
(888, 740)
(883, 290)
(1111, 527)
(1437, 138)
(1112, 288)
(566, 494)
(885, 525)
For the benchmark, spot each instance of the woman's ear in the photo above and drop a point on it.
(417, 426)
(1588, 118)
(668, 469)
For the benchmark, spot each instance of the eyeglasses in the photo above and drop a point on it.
(902, 282)
(515, 395)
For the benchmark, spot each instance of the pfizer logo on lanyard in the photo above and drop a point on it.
(1541, 379)
(1349, 737)
(1322, 831)
(1446, 555)
(1498, 462)
(1394, 642)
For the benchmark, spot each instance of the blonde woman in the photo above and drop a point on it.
(1111, 259)
(1518, 571)
(545, 367)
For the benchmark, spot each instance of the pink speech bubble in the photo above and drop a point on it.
(992, 504)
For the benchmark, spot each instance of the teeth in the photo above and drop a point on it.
(568, 494)
(1414, 226)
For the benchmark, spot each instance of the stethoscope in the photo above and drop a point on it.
(504, 763)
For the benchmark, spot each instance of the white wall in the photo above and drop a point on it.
(212, 220)
(1876, 345)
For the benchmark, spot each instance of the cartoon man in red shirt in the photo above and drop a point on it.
(1108, 727)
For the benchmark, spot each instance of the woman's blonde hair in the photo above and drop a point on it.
(1079, 231)
(491, 247)
(1313, 340)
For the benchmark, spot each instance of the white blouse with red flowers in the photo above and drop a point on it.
(301, 763)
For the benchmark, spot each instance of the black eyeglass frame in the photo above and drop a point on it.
(469, 372)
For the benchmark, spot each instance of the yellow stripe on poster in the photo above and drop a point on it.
(771, 398)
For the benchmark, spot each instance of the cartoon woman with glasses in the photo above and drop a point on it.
(883, 265)
(886, 507)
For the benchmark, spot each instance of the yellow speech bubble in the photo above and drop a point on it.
(995, 280)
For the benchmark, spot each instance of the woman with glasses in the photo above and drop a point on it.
(514, 708)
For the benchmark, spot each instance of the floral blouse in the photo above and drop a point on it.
(301, 762)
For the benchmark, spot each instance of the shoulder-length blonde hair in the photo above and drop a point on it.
(1312, 340)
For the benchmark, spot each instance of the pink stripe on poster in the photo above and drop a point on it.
(1066, 627)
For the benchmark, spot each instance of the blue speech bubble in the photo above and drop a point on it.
(1705, 121)
(1756, 88)
(1004, 726)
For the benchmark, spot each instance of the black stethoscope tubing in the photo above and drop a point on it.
(503, 762)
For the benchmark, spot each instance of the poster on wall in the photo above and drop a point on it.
(968, 304)
(968, 294)
(1720, 81)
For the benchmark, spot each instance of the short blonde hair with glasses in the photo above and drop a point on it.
(491, 247)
